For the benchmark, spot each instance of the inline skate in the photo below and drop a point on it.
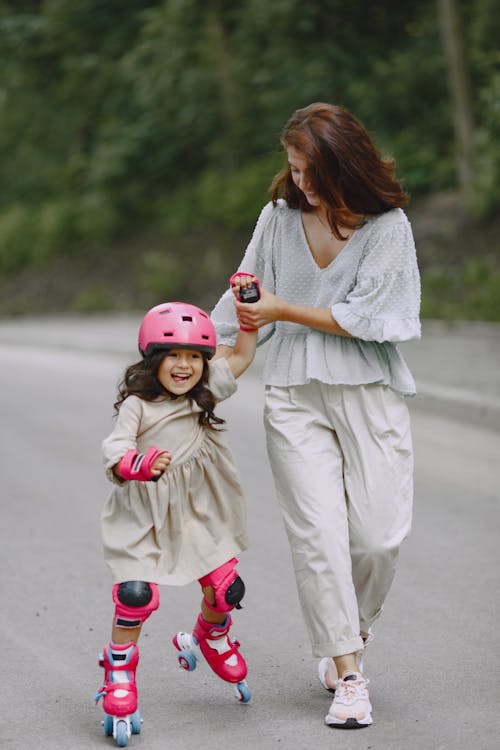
(122, 718)
(211, 642)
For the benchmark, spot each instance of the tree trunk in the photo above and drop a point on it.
(461, 96)
(228, 96)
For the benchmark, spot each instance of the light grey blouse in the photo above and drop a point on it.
(372, 289)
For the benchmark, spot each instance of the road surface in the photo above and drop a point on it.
(434, 665)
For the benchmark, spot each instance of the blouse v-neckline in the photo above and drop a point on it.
(309, 249)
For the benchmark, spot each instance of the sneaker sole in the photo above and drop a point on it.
(349, 724)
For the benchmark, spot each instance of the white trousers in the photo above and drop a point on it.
(342, 462)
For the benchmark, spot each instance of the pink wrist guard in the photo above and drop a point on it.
(137, 466)
(247, 294)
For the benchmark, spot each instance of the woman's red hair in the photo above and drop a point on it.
(345, 168)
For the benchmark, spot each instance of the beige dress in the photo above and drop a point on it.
(193, 519)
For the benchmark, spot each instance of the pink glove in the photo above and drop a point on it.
(137, 466)
(248, 293)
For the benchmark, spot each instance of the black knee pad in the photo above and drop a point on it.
(228, 587)
(134, 593)
(134, 602)
(235, 593)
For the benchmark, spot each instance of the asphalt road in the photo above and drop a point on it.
(434, 666)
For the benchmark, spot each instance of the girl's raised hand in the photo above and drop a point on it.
(240, 282)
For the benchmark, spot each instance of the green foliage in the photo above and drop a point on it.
(18, 234)
(487, 183)
(232, 200)
(93, 299)
(162, 273)
(29, 236)
(470, 293)
(96, 218)
(167, 114)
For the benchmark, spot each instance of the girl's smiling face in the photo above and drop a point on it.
(180, 370)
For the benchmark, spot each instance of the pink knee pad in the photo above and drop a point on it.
(228, 587)
(128, 615)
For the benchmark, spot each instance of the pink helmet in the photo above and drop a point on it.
(177, 325)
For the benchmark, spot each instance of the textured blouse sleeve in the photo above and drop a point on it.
(257, 260)
(123, 437)
(384, 303)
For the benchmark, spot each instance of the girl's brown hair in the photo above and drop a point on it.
(345, 168)
(141, 379)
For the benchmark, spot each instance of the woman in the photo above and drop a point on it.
(335, 255)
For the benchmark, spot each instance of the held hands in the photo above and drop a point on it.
(144, 467)
(258, 313)
(246, 290)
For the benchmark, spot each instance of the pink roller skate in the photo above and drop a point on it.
(221, 652)
(121, 715)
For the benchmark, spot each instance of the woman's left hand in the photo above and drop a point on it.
(258, 314)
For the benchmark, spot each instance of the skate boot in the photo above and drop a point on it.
(212, 642)
(121, 715)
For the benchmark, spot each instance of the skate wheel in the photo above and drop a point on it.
(242, 692)
(108, 725)
(187, 660)
(121, 733)
(135, 722)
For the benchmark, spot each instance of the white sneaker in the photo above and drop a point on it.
(351, 707)
(327, 667)
(328, 670)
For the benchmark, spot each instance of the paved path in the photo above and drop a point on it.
(456, 365)
(457, 370)
(433, 666)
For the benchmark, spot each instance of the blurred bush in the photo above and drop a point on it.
(162, 117)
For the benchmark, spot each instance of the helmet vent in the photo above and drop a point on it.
(188, 318)
(168, 333)
(204, 336)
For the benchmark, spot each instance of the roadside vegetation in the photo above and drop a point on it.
(138, 139)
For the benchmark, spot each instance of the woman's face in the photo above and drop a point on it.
(180, 370)
(298, 169)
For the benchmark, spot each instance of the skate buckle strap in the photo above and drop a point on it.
(123, 666)
(111, 688)
(120, 668)
(218, 632)
(223, 656)
(100, 694)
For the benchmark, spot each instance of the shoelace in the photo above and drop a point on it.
(351, 689)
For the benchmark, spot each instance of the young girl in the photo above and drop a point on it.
(176, 512)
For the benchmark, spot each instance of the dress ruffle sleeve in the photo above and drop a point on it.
(123, 437)
(221, 380)
(384, 303)
(254, 261)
